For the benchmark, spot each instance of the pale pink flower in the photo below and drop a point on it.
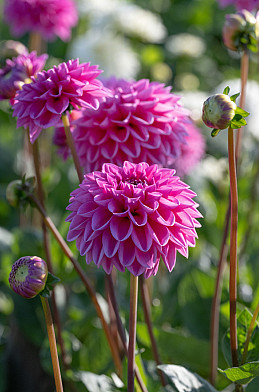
(50, 18)
(41, 103)
(130, 216)
(141, 122)
(249, 5)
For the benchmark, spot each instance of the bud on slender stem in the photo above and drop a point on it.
(218, 111)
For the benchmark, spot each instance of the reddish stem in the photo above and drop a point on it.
(132, 331)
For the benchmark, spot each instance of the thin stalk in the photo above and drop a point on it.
(147, 314)
(214, 324)
(72, 147)
(233, 247)
(249, 334)
(132, 330)
(84, 279)
(121, 331)
(223, 252)
(52, 344)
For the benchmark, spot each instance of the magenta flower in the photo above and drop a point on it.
(41, 103)
(28, 276)
(130, 216)
(192, 152)
(49, 18)
(17, 70)
(249, 5)
(141, 122)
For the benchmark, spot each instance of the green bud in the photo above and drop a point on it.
(218, 111)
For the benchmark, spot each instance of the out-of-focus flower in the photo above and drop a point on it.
(17, 70)
(28, 276)
(59, 137)
(240, 4)
(130, 216)
(185, 44)
(141, 122)
(112, 52)
(10, 49)
(240, 31)
(50, 18)
(41, 103)
(192, 151)
(218, 111)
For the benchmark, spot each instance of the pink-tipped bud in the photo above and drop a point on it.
(28, 276)
(218, 111)
(10, 49)
(240, 30)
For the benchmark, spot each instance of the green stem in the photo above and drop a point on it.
(147, 314)
(72, 147)
(233, 247)
(132, 330)
(52, 344)
(249, 334)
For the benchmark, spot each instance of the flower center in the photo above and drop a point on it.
(21, 273)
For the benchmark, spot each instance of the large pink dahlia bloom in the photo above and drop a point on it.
(50, 18)
(249, 5)
(41, 103)
(141, 122)
(130, 216)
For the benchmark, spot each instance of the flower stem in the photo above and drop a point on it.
(52, 344)
(147, 314)
(72, 147)
(121, 330)
(249, 334)
(84, 279)
(132, 330)
(233, 247)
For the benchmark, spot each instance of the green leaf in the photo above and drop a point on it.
(98, 383)
(183, 380)
(242, 374)
(241, 112)
(236, 124)
(226, 90)
(215, 132)
(234, 97)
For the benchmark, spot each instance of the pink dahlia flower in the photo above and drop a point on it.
(50, 18)
(17, 70)
(192, 152)
(249, 5)
(130, 216)
(41, 103)
(59, 137)
(141, 122)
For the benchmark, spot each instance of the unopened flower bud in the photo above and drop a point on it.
(12, 193)
(10, 49)
(240, 31)
(28, 276)
(218, 111)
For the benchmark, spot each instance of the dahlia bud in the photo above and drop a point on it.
(28, 276)
(10, 49)
(218, 111)
(240, 31)
(18, 191)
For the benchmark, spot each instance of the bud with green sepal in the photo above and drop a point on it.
(240, 31)
(220, 112)
(17, 191)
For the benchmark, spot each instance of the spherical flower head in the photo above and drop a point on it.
(218, 111)
(249, 5)
(59, 137)
(240, 31)
(19, 70)
(141, 122)
(28, 276)
(130, 216)
(41, 103)
(49, 18)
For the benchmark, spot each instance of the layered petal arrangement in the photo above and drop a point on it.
(28, 276)
(17, 70)
(249, 5)
(141, 122)
(130, 216)
(50, 18)
(41, 103)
